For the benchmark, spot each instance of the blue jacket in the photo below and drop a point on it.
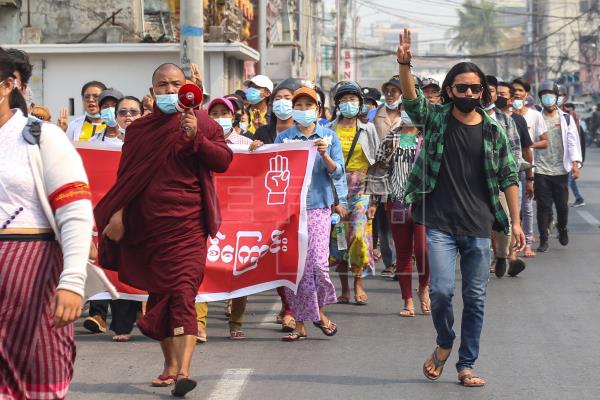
(320, 193)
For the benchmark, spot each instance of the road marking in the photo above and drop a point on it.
(589, 218)
(231, 384)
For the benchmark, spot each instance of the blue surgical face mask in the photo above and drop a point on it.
(349, 109)
(167, 103)
(253, 96)
(394, 105)
(226, 124)
(560, 101)
(92, 116)
(108, 116)
(244, 126)
(121, 130)
(305, 118)
(548, 100)
(518, 104)
(364, 109)
(283, 109)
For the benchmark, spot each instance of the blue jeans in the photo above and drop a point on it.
(526, 210)
(575, 188)
(443, 248)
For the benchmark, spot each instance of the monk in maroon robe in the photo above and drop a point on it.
(156, 218)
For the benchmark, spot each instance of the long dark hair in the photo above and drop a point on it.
(461, 68)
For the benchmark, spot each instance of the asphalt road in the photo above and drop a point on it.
(540, 340)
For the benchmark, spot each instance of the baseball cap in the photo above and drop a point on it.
(394, 81)
(304, 91)
(236, 100)
(261, 81)
(429, 82)
(221, 100)
(371, 94)
(109, 94)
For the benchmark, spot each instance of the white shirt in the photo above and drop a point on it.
(113, 142)
(17, 189)
(535, 124)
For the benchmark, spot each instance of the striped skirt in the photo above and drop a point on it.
(36, 361)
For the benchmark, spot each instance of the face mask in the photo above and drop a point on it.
(518, 104)
(92, 116)
(560, 101)
(283, 109)
(108, 116)
(226, 124)
(465, 104)
(490, 107)
(406, 119)
(501, 102)
(364, 109)
(305, 118)
(244, 126)
(349, 109)
(122, 131)
(549, 100)
(253, 96)
(167, 103)
(394, 105)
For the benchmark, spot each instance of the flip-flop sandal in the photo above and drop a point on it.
(183, 386)
(528, 252)
(407, 313)
(515, 267)
(165, 380)
(329, 330)
(294, 337)
(121, 338)
(237, 335)
(437, 363)
(361, 300)
(464, 378)
(343, 300)
(201, 339)
(288, 326)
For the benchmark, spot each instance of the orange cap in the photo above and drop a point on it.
(305, 91)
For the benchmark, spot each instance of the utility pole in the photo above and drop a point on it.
(338, 43)
(191, 34)
(262, 35)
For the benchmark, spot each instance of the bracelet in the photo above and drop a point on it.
(407, 63)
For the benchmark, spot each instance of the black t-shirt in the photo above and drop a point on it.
(523, 130)
(460, 202)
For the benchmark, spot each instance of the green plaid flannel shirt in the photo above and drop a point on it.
(500, 167)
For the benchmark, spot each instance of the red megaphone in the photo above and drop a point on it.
(189, 96)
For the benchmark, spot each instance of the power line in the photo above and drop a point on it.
(499, 11)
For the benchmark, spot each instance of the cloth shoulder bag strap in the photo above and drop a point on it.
(353, 146)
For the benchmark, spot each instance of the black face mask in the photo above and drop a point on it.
(465, 104)
(501, 102)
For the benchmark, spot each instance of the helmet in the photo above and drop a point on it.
(562, 90)
(548, 86)
(347, 87)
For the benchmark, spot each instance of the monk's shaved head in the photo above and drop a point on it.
(164, 67)
(167, 79)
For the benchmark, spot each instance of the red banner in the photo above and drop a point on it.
(263, 237)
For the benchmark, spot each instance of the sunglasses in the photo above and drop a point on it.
(391, 91)
(131, 111)
(462, 87)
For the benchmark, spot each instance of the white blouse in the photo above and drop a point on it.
(20, 205)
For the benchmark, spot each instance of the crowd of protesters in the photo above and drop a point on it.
(412, 173)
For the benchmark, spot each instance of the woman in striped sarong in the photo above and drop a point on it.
(44, 200)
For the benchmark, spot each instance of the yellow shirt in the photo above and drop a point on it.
(358, 162)
(89, 129)
(252, 127)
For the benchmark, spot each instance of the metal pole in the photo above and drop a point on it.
(28, 14)
(338, 51)
(262, 35)
(191, 35)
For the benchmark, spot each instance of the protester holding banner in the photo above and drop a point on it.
(85, 127)
(315, 289)
(359, 145)
(45, 201)
(155, 220)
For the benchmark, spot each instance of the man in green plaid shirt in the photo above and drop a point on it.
(453, 190)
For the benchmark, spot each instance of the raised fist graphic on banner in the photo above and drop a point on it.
(277, 180)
